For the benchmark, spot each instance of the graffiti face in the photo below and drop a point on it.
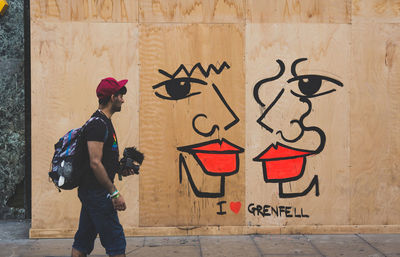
(285, 160)
(217, 157)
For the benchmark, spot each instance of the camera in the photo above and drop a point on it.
(132, 159)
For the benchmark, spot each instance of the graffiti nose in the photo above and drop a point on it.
(283, 120)
(213, 125)
(293, 133)
(233, 114)
(196, 127)
(289, 132)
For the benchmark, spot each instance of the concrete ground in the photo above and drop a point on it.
(14, 242)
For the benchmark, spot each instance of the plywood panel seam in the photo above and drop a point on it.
(372, 22)
(245, 12)
(189, 23)
(37, 21)
(349, 10)
(230, 230)
(300, 23)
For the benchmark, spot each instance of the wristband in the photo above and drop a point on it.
(114, 194)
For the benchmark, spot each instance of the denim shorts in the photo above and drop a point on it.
(98, 216)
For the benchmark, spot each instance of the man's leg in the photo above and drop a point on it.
(105, 219)
(85, 236)
(111, 234)
(76, 253)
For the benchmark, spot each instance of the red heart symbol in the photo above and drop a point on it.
(235, 206)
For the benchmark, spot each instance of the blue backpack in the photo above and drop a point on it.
(70, 160)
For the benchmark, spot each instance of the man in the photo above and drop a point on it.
(97, 192)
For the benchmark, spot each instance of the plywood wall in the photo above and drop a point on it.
(287, 43)
(220, 102)
(296, 11)
(85, 10)
(375, 116)
(239, 107)
(68, 62)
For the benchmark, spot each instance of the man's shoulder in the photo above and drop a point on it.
(96, 122)
(99, 117)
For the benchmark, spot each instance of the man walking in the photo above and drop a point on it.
(99, 197)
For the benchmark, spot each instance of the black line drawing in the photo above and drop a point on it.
(179, 88)
(282, 163)
(221, 212)
(217, 157)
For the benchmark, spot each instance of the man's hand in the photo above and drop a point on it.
(129, 169)
(127, 172)
(119, 203)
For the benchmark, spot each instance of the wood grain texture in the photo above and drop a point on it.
(376, 11)
(299, 11)
(85, 10)
(76, 43)
(233, 230)
(167, 124)
(192, 11)
(375, 124)
(327, 49)
(68, 62)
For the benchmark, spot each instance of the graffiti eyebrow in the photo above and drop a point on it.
(181, 67)
(261, 82)
(163, 72)
(198, 66)
(293, 68)
(206, 73)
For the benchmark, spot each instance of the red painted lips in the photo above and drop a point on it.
(282, 163)
(216, 157)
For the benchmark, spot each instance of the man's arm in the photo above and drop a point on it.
(95, 154)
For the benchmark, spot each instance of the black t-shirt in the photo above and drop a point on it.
(97, 130)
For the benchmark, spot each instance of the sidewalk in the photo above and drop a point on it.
(14, 242)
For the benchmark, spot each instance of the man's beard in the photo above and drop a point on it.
(115, 108)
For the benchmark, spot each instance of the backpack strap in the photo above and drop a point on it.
(97, 118)
(69, 145)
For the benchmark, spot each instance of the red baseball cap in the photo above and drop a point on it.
(109, 86)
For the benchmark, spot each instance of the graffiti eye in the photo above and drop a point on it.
(310, 85)
(177, 88)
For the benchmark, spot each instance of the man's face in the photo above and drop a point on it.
(116, 102)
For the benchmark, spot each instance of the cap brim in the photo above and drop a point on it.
(122, 83)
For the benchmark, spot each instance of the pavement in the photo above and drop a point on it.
(14, 242)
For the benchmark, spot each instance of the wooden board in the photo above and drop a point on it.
(375, 124)
(233, 230)
(85, 10)
(68, 62)
(192, 11)
(376, 11)
(296, 11)
(274, 115)
(75, 43)
(166, 124)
